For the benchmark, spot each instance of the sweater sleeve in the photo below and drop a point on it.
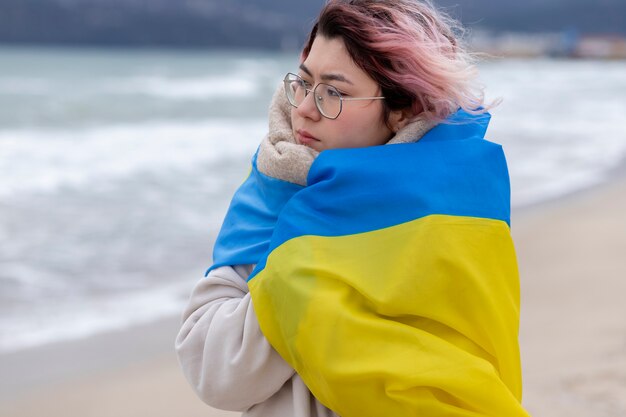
(220, 346)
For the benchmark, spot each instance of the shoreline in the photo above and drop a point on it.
(613, 176)
(40, 366)
(572, 334)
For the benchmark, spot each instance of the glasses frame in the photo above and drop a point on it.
(287, 81)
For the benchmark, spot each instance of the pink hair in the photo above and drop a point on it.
(410, 49)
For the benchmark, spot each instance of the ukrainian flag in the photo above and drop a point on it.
(390, 281)
(250, 220)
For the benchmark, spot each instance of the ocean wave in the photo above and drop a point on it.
(552, 156)
(43, 160)
(197, 88)
(26, 86)
(236, 86)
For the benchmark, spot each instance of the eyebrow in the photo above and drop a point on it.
(327, 77)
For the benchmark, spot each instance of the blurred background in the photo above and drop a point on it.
(126, 125)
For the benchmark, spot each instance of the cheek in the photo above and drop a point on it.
(364, 130)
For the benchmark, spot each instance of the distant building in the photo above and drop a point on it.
(511, 44)
(601, 47)
(567, 44)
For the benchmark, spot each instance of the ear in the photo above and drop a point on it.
(400, 118)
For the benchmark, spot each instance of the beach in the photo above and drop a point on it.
(573, 326)
(572, 335)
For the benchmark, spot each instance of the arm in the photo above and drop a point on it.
(221, 349)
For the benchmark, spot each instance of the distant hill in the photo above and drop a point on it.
(206, 23)
(584, 16)
(262, 23)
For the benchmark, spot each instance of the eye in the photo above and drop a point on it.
(305, 83)
(334, 92)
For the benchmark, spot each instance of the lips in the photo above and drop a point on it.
(305, 138)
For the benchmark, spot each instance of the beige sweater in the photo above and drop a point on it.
(220, 346)
(228, 361)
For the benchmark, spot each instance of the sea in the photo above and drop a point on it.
(117, 166)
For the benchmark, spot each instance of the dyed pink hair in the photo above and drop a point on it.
(410, 49)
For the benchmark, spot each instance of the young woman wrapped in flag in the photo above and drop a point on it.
(365, 267)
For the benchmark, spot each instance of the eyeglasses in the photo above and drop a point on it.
(328, 99)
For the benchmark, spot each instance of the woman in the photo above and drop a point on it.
(356, 279)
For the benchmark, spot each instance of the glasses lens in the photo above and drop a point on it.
(328, 100)
(295, 89)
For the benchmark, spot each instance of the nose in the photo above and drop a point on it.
(308, 109)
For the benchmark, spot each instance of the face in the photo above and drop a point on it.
(361, 122)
